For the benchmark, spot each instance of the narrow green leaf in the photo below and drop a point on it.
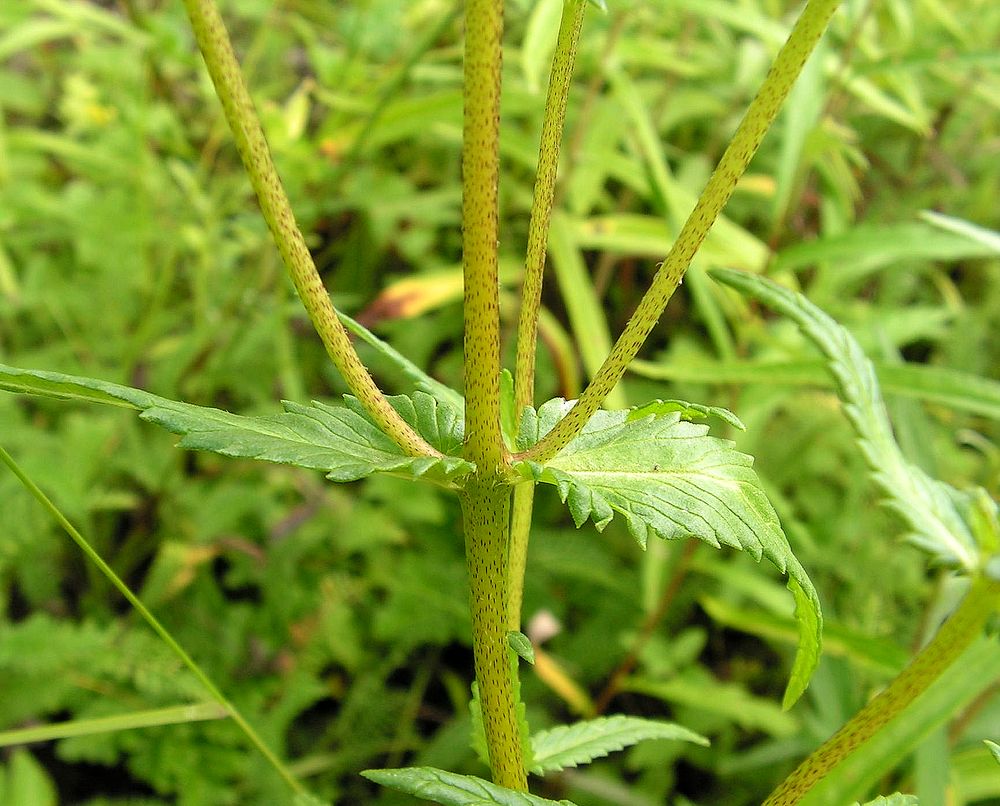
(668, 478)
(339, 440)
(580, 743)
(729, 700)
(896, 799)
(424, 382)
(994, 748)
(934, 511)
(173, 715)
(980, 235)
(451, 789)
(521, 644)
(958, 390)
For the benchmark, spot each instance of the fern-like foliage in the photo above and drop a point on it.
(582, 742)
(942, 520)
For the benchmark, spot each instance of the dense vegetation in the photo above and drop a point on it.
(336, 617)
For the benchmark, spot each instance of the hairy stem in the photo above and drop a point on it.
(480, 180)
(217, 50)
(554, 117)
(485, 510)
(709, 206)
(965, 624)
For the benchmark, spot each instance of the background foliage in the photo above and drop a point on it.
(130, 249)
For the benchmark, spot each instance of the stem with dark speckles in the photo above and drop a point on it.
(734, 162)
(485, 510)
(958, 632)
(217, 50)
(486, 495)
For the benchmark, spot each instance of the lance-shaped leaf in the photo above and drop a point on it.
(670, 479)
(340, 440)
(451, 789)
(937, 514)
(571, 745)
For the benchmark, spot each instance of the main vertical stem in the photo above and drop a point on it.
(486, 496)
(480, 228)
(486, 509)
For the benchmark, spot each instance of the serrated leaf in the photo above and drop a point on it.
(935, 512)
(895, 799)
(994, 748)
(688, 411)
(451, 789)
(582, 742)
(339, 440)
(668, 478)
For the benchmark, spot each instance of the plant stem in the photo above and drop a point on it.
(553, 120)
(709, 206)
(217, 50)
(154, 623)
(964, 625)
(517, 554)
(485, 509)
(480, 181)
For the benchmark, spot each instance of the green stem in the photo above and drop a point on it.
(553, 120)
(965, 624)
(486, 496)
(152, 621)
(485, 509)
(480, 181)
(709, 206)
(517, 554)
(217, 50)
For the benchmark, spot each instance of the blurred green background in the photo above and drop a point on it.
(131, 249)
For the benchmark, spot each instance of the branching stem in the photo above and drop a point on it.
(709, 206)
(217, 50)
(553, 120)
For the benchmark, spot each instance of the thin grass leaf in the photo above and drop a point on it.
(451, 789)
(958, 390)
(669, 479)
(424, 382)
(174, 715)
(933, 511)
(339, 440)
(580, 743)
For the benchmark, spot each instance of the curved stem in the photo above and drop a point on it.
(964, 625)
(485, 511)
(217, 50)
(553, 120)
(709, 206)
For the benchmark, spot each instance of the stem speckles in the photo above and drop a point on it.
(213, 41)
(713, 199)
